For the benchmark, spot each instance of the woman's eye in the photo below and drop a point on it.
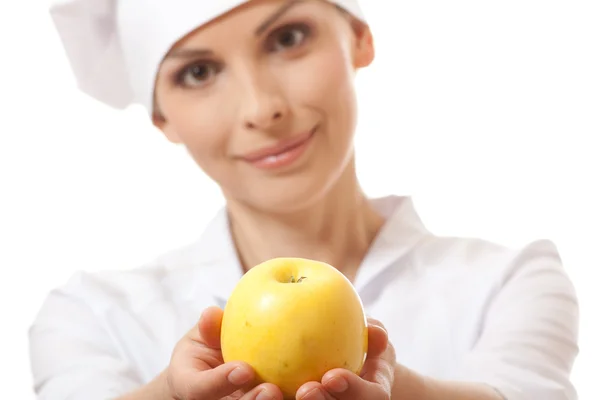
(197, 75)
(289, 37)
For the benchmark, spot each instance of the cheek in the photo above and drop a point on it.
(325, 82)
(204, 131)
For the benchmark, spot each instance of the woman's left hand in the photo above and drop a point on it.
(375, 381)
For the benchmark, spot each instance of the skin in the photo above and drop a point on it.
(253, 92)
(249, 91)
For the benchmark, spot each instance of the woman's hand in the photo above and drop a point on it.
(375, 381)
(197, 370)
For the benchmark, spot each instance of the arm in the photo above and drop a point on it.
(526, 349)
(155, 390)
(528, 342)
(72, 356)
(409, 385)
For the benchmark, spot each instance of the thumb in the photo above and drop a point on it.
(378, 340)
(209, 327)
(220, 382)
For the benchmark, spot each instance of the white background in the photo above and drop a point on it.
(488, 113)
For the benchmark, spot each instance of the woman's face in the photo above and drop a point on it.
(263, 99)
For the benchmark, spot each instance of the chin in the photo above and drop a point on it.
(296, 191)
(287, 195)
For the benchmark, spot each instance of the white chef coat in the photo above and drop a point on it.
(455, 308)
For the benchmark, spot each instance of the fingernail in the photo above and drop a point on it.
(239, 376)
(381, 328)
(314, 394)
(264, 395)
(337, 385)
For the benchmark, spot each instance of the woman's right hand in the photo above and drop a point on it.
(197, 370)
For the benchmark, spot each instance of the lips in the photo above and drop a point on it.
(272, 152)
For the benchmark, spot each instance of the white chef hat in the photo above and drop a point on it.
(116, 46)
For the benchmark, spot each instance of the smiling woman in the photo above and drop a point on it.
(273, 101)
(261, 94)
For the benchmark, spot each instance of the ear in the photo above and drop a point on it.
(364, 50)
(159, 121)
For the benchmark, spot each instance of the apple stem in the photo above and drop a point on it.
(293, 280)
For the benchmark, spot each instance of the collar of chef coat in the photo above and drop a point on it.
(216, 257)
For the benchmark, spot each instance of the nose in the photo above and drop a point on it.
(263, 120)
(263, 103)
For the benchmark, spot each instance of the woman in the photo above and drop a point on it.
(261, 94)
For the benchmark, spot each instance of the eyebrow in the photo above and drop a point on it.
(278, 14)
(188, 53)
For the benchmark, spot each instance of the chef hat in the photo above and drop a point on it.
(116, 46)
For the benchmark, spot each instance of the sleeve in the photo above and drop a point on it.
(72, 356)
(528, 342)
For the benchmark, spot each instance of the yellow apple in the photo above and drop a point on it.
(292, 320)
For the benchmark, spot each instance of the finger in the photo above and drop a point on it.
(378, 341)
(219, 382)
(210, 327)
(345, 385)
(381, 356)
(376, 322)
(377, 370)
(265, 391)
(313, 391)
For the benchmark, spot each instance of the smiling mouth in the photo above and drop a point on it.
(282, 154)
